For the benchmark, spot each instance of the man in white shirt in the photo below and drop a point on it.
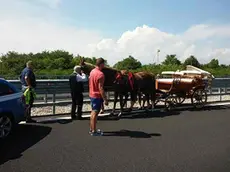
(76, 80)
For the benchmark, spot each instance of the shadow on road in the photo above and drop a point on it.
(24, 137)
(221, 107)
(161, 114)
(59, 121)
(141, 115)
(132, 134)
(150, 114)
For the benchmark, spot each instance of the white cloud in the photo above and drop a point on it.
(144, 41)
(26, 27)
(34, 35)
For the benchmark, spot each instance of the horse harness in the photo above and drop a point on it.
(128, 79)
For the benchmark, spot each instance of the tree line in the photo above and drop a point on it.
(60, 63)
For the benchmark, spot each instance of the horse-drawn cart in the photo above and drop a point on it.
(174, 87)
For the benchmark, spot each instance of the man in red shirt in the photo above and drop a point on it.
(96, 94)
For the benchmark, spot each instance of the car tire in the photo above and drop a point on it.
(6, 125)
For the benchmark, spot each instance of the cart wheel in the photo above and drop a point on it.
(170, 103)
(179, 100)
(156, 102)
(199, 98)
(168, 106)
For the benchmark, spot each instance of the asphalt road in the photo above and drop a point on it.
(188, 141)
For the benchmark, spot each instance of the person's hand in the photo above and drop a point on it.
(106, 102)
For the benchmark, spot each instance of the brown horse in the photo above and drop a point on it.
(145, 96)
(119, 82)
(147, 87)
(144, 84)
(113, 82)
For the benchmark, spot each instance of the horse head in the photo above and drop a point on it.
(110, 73)
(86, 67)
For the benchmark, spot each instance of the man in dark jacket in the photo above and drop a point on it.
(76, 80)
(28, 80)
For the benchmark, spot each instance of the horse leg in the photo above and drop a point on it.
(115, 101)
(126, 100)
(148, 96)
(153, 99)
(146, 99)
(139, 100)
(121, 104)
(133, 100)
(153, 95)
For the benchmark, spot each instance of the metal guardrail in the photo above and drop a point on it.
(57, 92)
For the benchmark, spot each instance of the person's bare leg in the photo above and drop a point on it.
(93, 121)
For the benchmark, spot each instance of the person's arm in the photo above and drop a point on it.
(27, 78)
(101, 87)
(82, 78)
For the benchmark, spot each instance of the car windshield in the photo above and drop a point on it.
(12, 86)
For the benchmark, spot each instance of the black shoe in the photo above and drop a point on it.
(30, 121)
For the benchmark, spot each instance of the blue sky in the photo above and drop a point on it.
(113, 17)
(115, 29)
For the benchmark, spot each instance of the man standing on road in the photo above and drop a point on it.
(28, 81)
(97, 95)
(76, 80)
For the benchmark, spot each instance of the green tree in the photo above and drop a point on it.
(66, 57)
(192, 61)
(223, 66)
(129, 63)
(214, 63)
(171, 60)
(48, 63)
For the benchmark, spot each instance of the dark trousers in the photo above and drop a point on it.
(77, 103)
(30, 105)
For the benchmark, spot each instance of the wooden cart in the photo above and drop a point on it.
(174, 87)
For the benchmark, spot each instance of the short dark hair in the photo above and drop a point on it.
(100, 61)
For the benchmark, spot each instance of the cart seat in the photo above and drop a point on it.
(167, 83)
(170, 80)
(164, 90)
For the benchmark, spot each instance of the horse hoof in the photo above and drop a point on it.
(129, 110)
(112, 113)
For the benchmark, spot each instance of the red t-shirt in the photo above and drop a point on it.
(94, 77)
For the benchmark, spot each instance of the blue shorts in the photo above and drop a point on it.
(96, 104)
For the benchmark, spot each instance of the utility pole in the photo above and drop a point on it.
(156, 57)
(158, 52)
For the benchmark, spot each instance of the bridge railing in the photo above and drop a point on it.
(57, 92)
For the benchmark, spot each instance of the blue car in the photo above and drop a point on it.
(12, 108)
